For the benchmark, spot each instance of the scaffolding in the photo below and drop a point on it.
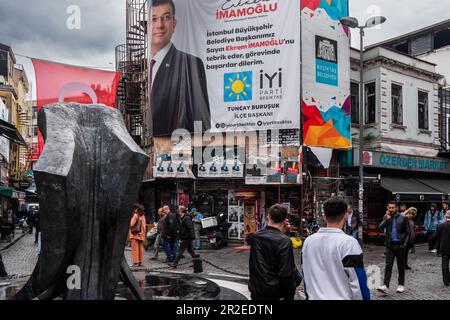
(131, 60)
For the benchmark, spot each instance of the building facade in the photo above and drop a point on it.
(15, 127)
(401, 139)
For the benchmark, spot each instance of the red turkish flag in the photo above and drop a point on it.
(57, 82)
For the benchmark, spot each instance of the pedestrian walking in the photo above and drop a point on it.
(3, 272)
(402, 208)
(36, 223)
(353, 222)
(444, 210)
(158, 240)
(186, 235)
(443, 235)
(396, 239)
(29, 220)
(273, 274)
(137, 235)
(410, 214)
(332, 261)
(432, 219)
(170, 234)
(197, 219)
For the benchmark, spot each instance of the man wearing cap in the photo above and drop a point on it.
(442, 235)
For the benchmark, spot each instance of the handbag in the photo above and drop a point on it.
(137, 227)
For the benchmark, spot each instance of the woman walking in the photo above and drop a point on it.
(137, 236)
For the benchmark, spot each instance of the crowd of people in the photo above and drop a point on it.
(176, 231)
(332, 266)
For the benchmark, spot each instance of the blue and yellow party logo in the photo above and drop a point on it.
(238, 86)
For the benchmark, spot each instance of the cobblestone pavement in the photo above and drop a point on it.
(21, 258)
(424, 282)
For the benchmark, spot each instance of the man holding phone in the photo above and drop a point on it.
(396, 239)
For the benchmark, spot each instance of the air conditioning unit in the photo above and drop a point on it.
(2, 80)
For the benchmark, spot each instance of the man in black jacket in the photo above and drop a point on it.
(3, 272)
(273, 274)
(396, 239)
(186, 234)
(169, 234)
(442, 235)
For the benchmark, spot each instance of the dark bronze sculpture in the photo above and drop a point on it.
(88, 179)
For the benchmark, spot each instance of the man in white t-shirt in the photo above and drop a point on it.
(332, 261)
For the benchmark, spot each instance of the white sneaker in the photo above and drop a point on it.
(383, 289)
(433, 251)
(401, 289)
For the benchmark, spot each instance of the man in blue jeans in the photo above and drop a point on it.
(170, 234)
(432, 219)
(397, 238)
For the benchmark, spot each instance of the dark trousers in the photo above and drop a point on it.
(36, 235)
(407, 248)
(445, 269)
(431, 243)
(185, 245)
(392, 253)
(2, 268)
(170, 248)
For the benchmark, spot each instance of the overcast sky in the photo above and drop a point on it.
(38, 28)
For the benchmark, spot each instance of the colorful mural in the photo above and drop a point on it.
(325, 74)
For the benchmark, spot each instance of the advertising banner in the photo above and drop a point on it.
(325, 74)
(284, 169)
(170, 166)
(4, 142)
(220, 168)
(230, 65)
(57, 82)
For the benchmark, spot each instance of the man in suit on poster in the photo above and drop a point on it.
(177, 83)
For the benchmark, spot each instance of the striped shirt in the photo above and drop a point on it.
(333, 269)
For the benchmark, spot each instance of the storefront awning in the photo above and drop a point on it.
(6, 191)
(410, 189)
(443, 185)
(10, 132)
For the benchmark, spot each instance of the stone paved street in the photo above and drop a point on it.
(424, 282)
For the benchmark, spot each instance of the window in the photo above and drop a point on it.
(442, 39)
(423, 110)
(397, 104)
(402, 47)
(35, 130)
(354, 99)
(371, 105)
(34, 112)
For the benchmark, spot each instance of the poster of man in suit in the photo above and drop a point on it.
(177, 81)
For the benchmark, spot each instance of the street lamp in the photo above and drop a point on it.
(353, 23)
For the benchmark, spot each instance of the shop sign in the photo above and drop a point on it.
(405, 162)
(24, 185)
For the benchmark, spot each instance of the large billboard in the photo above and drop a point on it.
(325, 74)
(229, 65)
